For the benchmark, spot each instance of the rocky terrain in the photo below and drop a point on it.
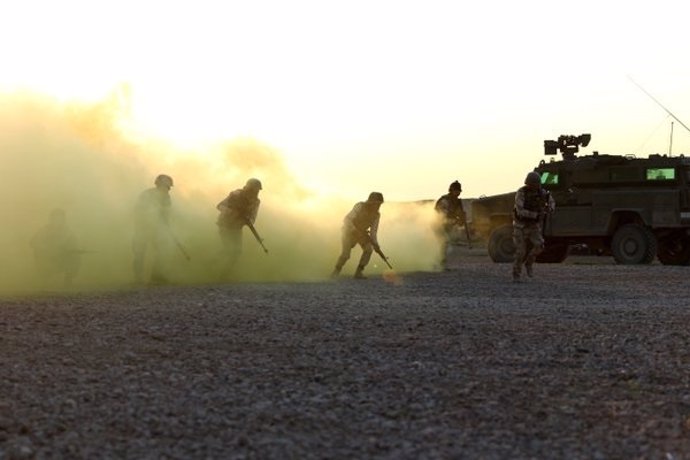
(587, 360)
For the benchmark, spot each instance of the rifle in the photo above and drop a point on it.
(377, 248)
(467, 234)
(256, 234)
(463, 219)
(179, 245)
(545, 196)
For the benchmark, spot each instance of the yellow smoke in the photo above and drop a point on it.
(83, 159)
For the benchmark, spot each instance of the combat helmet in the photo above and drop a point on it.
(455, 185)
(253, 184)
(533, 178)
(375, 197)
(163, 180)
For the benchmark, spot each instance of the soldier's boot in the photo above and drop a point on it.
(358, 273)
(529, 269)
(516, 275)
(338, 266)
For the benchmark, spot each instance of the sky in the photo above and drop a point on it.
(398, 96)
(324, 101)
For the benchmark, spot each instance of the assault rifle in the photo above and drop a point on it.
(467, 234)
(545, 197)
(463, 220)
(256, 234)
(182, 249)
(377, 248)
(179, 245)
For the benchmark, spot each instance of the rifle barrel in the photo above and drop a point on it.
(256, 235)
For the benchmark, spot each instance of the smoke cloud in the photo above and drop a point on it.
(80, 159)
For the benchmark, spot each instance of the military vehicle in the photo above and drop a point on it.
(634, 209)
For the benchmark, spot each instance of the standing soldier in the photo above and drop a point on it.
(238, 209)
(450, 216)
(152, 228)
(360, 226)
(532, 203)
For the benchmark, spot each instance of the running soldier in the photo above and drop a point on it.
(152, 229)
(532, 203)
(238, 209)
(360, 226)
(451, 215)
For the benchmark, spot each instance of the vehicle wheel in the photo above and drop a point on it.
(553, 253)
(674, 251)
(633, 244)
(501, 246)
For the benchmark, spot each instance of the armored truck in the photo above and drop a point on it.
(634, 209)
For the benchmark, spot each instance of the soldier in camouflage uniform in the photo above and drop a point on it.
(532, 203)
(236, 210)
(360, 226)
(152, 229)
(450, 216)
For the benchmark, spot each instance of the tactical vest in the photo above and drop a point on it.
(365, 218)
(534, 201)
(454, 206)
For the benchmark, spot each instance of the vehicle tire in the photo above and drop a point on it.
(501, 246)
(674, 251)
(553, 253)
(633, 244)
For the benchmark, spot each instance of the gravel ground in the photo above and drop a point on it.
(584, 361)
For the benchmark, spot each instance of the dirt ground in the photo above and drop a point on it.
(588, 360)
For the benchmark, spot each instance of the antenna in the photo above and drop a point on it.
(659, 103)
(670, 142)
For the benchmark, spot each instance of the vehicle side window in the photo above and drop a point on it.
(661, 174)
(549, 178)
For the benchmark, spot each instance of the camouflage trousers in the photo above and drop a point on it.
(157, 240)
(529, 242)
(349, 240)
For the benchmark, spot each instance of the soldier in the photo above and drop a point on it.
(240, 207)
(360, 226)
(450, 216)
(532, 203)
(152, 228)
(55, 249)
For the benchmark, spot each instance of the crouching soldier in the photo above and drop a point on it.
(532, 203)
(360, 226)
(238, 209)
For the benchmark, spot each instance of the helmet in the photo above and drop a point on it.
(455, 185)
(253, 184)
(163, 180)
(375, 197)
(533, 178)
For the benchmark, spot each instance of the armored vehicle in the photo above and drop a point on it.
(634, 209)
